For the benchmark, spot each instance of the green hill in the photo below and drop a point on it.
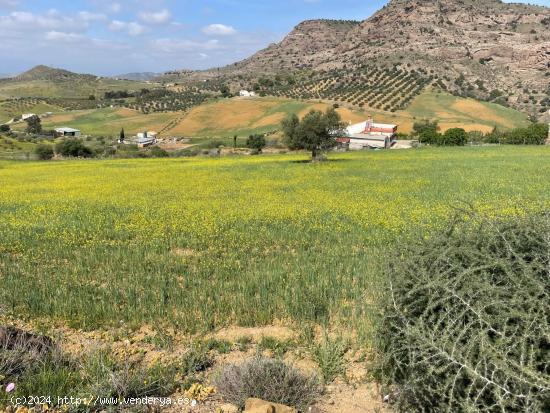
(43, 81)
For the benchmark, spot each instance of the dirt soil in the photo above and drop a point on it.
(357, 393)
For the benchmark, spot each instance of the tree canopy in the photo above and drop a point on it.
(316, 132)
(256, 142)
(34, 125)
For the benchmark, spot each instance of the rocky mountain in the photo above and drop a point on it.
(485, 49)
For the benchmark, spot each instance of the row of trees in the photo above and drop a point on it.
(67, 148)
(427, 132)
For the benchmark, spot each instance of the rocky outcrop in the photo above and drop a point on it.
(495, 45)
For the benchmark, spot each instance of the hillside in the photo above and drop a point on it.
(48, 82)
(47, 73)
(484, 49)
(242, 117)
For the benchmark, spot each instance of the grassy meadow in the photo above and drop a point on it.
(227, 117)
(204, 243)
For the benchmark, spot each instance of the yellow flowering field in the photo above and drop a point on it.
(201, 243)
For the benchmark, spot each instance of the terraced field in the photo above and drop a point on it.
(388, 90)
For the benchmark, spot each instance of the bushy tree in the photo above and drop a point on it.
(44, 152)
(427, 132)
(454, 137)
(256, 142)
(157, 152)
(34, 125)
(535, 134)
(316, 132)
(5, 128)
(73, 148)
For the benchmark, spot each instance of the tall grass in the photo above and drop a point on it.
(205, 243)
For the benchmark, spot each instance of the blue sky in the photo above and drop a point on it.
(110, 37)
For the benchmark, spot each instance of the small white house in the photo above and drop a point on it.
(246, 94)
(147, 138)
(147, 134)
(69, 132)
(26, 116)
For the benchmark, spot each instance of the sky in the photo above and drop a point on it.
(109, 37)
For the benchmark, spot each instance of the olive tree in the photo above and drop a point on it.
(316, 132)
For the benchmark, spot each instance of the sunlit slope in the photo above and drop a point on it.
(242, 117)
(109, 121)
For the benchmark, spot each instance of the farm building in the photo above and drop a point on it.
(145, 139)
(369, 135)
(147, 134)
(67, 132)
(247, 94)
(26, 116)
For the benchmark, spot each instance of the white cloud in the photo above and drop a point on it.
(219, 30)
(64, 37)
(184, 45)
(115, 8)
(21, 21)
(91, 17)
(132, 28)
(162, 16)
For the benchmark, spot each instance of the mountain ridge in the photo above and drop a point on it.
(484, 49)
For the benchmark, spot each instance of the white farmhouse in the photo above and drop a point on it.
(146, 138)
(246, 94)
(369, 135)
(26, 116)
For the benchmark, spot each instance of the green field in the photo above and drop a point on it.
(73, 88)
(203, 243)
(242, 117)
(109, 121)
(10, 110)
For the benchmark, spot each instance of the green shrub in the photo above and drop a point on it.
(329, 355)
(267, 379)
(277, 347)
(157, 152)
(44, 152)
(197, 359)
(454, 137)
(73, 148)
(221, 346)
(243, 343)
(106, 377)
(256, 142)
(466, 320)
